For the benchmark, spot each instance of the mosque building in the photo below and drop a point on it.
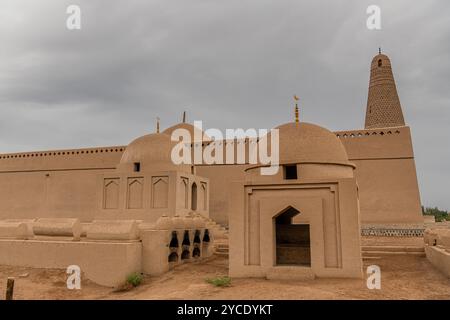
(149, 213)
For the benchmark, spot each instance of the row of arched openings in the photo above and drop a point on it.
(186, 244)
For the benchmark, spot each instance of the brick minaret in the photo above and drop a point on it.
(383, 105)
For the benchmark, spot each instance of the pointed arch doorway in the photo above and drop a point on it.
(293, 244)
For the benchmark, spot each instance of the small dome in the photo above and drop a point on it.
(308, 143)
(155, 147)
(192, 130)
(153, 152)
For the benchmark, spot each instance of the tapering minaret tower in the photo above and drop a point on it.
(383, 105)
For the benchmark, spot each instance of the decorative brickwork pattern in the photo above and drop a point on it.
(356, 134)
(392, 232)
(62, 152)
(383, 105)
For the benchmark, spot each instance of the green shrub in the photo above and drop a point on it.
(134, 279)
(440, 215)
(220, 281)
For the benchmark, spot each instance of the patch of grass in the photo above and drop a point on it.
(134, 279)
(220, 281)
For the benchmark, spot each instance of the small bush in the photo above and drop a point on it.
(134, 279)
(439, 215)
(220, 281)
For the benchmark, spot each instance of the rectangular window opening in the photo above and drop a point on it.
(137, 167)
(290, 172)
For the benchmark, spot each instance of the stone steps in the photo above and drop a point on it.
(389, 253)
(393, 248)
(371, 258)
(222, 254)
(217, 229)
(378, 251)
(290, 273)
(221, 247)
(368, 252)
(220, 238)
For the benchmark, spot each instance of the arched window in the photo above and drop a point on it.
(174, 240)
(380, 63)
(194, 196)
(206, 236)
(196, 252)
(173, 257)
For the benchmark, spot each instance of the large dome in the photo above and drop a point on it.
(309, 143)
(153, 152)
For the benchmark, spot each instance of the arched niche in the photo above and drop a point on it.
(194, 196)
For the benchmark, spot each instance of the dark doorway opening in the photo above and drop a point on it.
(293, 246)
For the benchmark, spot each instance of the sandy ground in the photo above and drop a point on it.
(403, 277)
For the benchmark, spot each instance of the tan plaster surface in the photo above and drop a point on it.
(404, 277)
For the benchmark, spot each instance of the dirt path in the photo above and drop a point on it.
(405, 277)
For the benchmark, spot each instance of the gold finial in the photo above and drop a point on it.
(184, 116)
(157, 124)
(296, 108)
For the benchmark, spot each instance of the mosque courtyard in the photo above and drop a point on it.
(402, 277)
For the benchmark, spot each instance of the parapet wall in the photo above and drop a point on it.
(109, 250)
(387, 143)
(437, 249)
(54, 194)
(105, 263)
(63, 183)
(387, 179)
(55, 243)
(71, 159)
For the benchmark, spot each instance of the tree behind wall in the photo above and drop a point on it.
(440, 215)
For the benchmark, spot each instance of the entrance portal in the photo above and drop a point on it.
(292, 240)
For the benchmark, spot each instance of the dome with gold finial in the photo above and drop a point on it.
(304, 142)
(317, 150)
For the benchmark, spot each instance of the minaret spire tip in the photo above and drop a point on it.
(157, 124)
(383, 109)
(296, 108)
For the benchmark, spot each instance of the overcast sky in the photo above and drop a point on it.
(233, 63)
